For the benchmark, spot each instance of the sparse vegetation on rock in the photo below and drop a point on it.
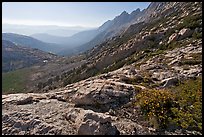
(144, 81)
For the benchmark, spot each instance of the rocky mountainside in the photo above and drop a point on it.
(120, 23)
(142, 40)
(88, 39)
(146, 80)
(17, 56)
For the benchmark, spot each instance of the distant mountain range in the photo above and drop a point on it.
(61, 31)
(17, 56)
(31, 42)
(86, 40)
(72, 41)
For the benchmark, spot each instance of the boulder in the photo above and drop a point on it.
(94, 124)
(170, 82)
(89, 122)
(24, 101)
(138, 78)
(109, 94)
(173, 37)
(124, 78)
(18, 99)
(162, 75)
(185, 32)
(128, 127)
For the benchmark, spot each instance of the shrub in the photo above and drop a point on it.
(173, 45)
(40, 85)
(180, 105)
(66, 81)
(196, 56)
(191, 22)
(163, 47)
(57, 78)
(188, 114)
(190, 62)
(156, 106)
(138, 89)
(49, 82)
(135, 80)
(197, 35)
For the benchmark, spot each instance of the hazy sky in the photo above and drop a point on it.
(86, 14)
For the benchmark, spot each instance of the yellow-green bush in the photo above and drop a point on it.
(181, 105)
(188, 114)
(156, 104)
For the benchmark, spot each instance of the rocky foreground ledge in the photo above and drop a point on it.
(52, 113)
(82, 108)
(96, 106)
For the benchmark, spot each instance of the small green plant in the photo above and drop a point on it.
(197, 35)
(180, 106)
(190, 62)
(188, 113)
(191, 21)
(137, 88)
(156, 106)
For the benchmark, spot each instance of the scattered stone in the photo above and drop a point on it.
(173, 37)
(170, 82)
(185, 32)
(27, 100)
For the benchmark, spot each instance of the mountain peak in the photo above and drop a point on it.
(135, 11)
(124, 13)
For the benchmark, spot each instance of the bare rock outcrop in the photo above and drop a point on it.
(89, 122)
(23, 123)
(107, 94)
(41, 117)
(185, 32)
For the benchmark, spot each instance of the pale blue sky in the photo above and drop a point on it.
(86, 14)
